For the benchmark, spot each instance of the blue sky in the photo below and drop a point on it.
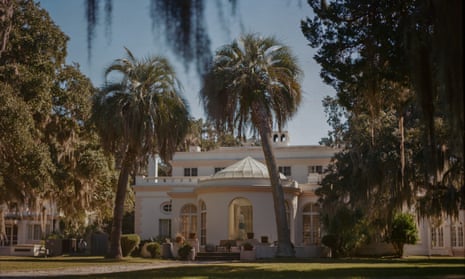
(131, 28)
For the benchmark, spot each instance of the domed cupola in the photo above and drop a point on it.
(247, 171)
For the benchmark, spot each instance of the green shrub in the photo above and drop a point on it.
(129, 242)
(403, 231)
(184, 251)
(330, 240)
(154, 249)
(346, 230)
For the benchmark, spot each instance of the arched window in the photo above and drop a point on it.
(437, 237)
(240, 218)
(456, 235)
(203, 223)
(311, 224)
(188, 220)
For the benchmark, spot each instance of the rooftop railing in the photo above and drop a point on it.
(168, 180)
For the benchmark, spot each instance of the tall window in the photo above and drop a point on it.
(456, 235)
(12, 234)
(190, 172)
(240, 218)
(34, 231)
(437, 237)
(286, 170)
(188, 220)
(311, 224)
(164, 228)
(203, 223)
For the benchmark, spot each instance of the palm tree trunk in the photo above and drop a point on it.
(118, 211)
(285, 247)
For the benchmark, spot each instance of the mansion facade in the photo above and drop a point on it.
(225, 194)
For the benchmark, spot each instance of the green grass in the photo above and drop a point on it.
(412, 267)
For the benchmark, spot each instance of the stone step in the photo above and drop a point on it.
(217, 256)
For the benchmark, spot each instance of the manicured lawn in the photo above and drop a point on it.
(412, 267)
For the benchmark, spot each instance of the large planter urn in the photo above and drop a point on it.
(247, 255)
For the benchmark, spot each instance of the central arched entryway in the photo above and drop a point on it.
(240, 218)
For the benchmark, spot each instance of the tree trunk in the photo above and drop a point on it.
(3, 236)
(285, 247)
(402, 150)
(118, 211)
(6, 15)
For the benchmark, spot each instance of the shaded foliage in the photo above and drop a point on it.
(48, 151)
(403, 231)
(394, 150)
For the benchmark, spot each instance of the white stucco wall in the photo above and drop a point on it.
(148, 213)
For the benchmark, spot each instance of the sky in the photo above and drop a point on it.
(132, 28)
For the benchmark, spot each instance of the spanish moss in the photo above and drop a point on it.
(92, 20)
(108, 19)
(182, 24)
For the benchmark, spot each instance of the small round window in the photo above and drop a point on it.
(166, 207)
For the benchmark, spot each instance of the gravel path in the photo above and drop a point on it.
(59, 272)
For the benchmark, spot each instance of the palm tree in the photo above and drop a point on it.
(139, 115)
(254, 82)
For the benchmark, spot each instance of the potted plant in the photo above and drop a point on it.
(248, 246)
(179, 239)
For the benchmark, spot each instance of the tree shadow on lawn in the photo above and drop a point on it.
(255, 271)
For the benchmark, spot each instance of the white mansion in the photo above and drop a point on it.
(225, 194)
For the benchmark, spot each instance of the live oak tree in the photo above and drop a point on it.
(367, 51)
(84, 175)
(44, 109)
(254, 82)
(393, 148)
(141, 113)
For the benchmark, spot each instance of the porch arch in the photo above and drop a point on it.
(240, 218)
